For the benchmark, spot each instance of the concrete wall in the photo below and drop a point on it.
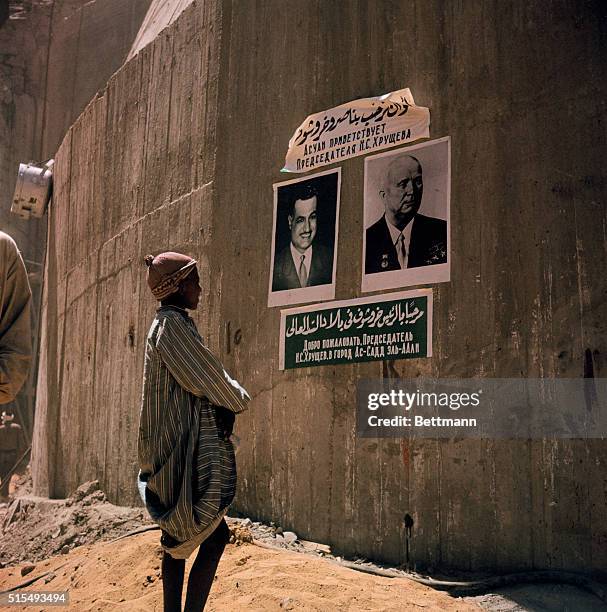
(90, 41)
(181, 151)
(160, 15)
(54, 57)
(24, 42)
(120, 183)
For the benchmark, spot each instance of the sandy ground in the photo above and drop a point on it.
(70, 545)
(125, 575)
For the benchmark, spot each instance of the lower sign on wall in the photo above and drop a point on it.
(392, 326)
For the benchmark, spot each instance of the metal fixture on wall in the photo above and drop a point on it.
(33, 189)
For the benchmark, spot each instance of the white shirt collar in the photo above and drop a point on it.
(395, 234)
(296, 255)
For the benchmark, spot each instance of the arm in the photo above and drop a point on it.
(196, 369)
(15, 331)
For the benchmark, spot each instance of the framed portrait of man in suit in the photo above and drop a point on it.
(304, 239)
(406, 239)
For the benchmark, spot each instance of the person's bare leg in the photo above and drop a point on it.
(172, 582)
(204, 568)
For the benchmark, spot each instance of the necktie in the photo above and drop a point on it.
(303, 274)
(401, 252)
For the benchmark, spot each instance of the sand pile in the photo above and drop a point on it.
(34, 528)
(70, 545)
(125, 575)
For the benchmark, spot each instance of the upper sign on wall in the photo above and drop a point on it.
(356, 128)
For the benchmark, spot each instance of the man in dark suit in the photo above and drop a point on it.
(402, 238)
(303, 263)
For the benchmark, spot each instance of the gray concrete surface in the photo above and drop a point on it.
(159, 16)
(90, 41)
(24, 41)
(181, 151)
(54, 56)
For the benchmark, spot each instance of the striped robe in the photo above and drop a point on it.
(187, 475)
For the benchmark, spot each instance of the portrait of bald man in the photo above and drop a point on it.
(403, 238)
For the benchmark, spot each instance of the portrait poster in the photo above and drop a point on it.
(406, 236)
(304, 239)
(356, 128)
(373, 328)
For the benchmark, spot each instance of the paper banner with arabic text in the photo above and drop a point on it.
(356, 128)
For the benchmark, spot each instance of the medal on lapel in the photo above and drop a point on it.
(384, 261)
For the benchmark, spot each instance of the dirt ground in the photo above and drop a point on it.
(71, 545)
(125, 575)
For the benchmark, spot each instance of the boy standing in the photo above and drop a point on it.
(187, 473)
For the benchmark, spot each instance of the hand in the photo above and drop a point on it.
(225, 422)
